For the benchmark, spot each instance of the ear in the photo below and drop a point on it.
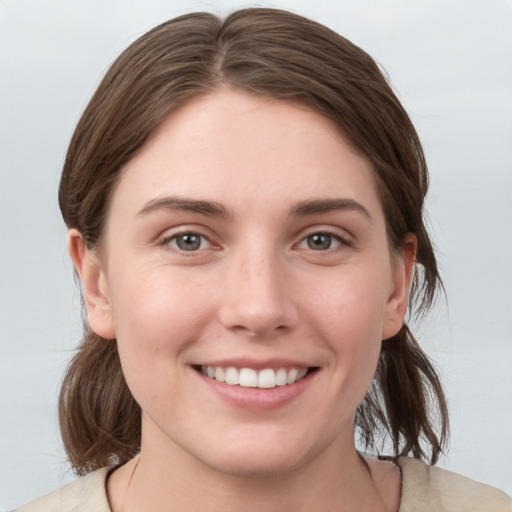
(94, 286)
(402, 269)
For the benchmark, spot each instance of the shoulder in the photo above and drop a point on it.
(86, 494)
(428, 488)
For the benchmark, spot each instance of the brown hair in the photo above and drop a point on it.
(285, 56)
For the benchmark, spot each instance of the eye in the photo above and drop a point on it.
(188, 242)
(321, 242)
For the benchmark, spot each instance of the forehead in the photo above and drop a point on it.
(235, 147)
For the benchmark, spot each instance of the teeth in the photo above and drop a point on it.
(301, 374)
(219, 374)
(291, 376)
(267, 379)
(281, 377)
(250, 378)
(232, 377)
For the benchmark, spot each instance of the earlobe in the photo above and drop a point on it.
(403, 268)
(94, 286)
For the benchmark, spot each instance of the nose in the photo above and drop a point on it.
(257, 299)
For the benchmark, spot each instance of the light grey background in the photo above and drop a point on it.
(450, 60)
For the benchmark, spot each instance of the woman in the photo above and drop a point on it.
(244, 202)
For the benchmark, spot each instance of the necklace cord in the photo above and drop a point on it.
(128, 485)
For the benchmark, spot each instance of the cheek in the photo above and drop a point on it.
(156, 316)
(350, 315)
(152, 300)
(351, 302)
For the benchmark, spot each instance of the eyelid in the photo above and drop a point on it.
(170, 234)
(341, 236)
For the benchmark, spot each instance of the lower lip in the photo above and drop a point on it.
(258, 399)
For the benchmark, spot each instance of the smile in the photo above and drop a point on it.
(248, 377)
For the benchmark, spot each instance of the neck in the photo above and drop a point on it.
(173, 480)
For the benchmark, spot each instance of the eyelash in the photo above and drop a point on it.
(166, 241)
(341, 242)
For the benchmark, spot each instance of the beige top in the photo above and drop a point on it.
(424, 489)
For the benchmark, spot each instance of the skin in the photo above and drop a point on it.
(256, 289)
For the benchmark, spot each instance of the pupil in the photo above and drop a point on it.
(319, 241)
(189, 242)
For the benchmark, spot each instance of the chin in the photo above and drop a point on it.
(247, 466)
(261, 459)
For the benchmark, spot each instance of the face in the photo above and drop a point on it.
(246, 275)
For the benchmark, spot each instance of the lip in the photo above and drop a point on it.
(256, 364)
(257, 399)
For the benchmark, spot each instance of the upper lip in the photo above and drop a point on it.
(254, 364)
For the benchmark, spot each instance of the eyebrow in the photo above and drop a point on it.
(319, 206)
(215, 209)
(175, 203)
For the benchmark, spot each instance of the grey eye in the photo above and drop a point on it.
(187, 242)
(319, 241)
